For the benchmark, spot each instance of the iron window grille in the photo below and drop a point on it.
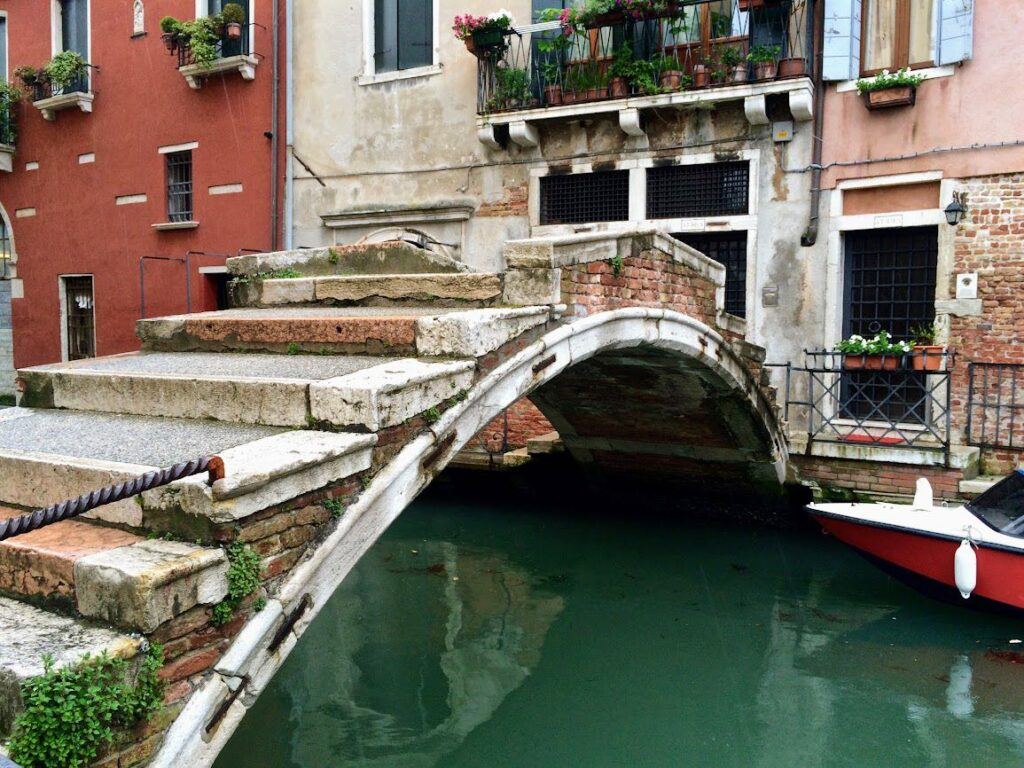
(179, 186)
(890, 286)
(730, 250)
(995, 410)
(705, 189)
(80, 314)
(580, 198)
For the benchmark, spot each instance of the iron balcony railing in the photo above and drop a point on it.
(45, 89)
(226, 46)
(885, 400)
(689, 45)
(995, 408)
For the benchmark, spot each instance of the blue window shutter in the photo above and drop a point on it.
(841, 49)
(956, 30)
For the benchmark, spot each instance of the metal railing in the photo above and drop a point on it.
(691, 44)
(226, 46)
(995, 410)
(8, 123)
(884, 400)
(45, 89)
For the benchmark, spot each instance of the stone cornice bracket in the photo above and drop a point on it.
(485, 135)
(801, 105)
(755, 109)
(630, 122)
(523, 133)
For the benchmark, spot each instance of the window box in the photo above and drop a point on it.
(899, 96)
(863, 362)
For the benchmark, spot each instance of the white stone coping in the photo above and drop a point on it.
(676, 99)
(475, 332)
(922, 455)
(169, 226)
(375, 78)
(392, 216)
(244, 64)
(50, 106)
(557, 251)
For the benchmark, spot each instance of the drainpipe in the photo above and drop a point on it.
(274, 138)
(810, 235)
(289, 184)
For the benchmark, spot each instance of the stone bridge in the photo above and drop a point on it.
(341, 385)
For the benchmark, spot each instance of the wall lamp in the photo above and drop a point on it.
(956, 211)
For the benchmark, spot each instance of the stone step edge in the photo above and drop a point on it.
(251, 264)
(258, 474)
(463, 286)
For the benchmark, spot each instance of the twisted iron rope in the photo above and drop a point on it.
(69, 508)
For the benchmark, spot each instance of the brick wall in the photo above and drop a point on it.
(520, 422)
(990, 241)
(872, 477)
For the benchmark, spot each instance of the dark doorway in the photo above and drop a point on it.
(80, 317)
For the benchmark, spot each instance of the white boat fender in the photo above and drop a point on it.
(965, 569)
(924, 499)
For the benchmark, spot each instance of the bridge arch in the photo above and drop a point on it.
(593, 357)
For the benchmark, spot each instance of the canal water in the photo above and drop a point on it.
(490, 630)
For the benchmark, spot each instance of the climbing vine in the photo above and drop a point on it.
(243, 580)
(71, 713)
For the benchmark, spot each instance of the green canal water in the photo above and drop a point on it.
(524, 634)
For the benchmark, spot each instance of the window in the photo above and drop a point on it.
(79, 317)
(730, 250)
(579, 198)
(890, 286)
(227, 45)
(896, 34)
(706, 189)
(3, 49)
(403, 34)
(179, 186)
(71, 33)
(6, 251)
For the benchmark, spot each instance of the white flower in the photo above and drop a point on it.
(500, 13)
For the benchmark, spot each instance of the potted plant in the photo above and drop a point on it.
(620, 72)
(701, 75)
(763, 58)
(890, 89)
(671, 77)
(552, 88)
(171, 29)
(233, 16)
(64, 69)
(587, 82)
(592, 14)
(750, 5)
(29, 76)
(927, 355)
(793, 66)
(735, 65)
(879, 353)
(484, 36)
(512, 88)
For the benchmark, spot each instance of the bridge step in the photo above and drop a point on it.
(263, 465)
(474, 289)
(409, 331)
(276, 390)
(27, 634)
(392, 257)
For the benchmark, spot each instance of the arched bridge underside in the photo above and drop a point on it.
(638, 391)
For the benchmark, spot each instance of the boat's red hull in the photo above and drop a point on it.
(930, 558)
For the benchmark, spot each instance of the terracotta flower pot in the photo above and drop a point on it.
(866, 362)
(618, 88)
(170, 41)
(927, 357)
(553, 95)
(739, 73)
(795, 67)
(233, 30)
(750, 5)
(592, 94)
(900, 96)
(671, 79)
(764, 70)
(701, 76)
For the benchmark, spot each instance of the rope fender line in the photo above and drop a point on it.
(70, 508)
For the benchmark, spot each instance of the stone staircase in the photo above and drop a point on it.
(323, 352)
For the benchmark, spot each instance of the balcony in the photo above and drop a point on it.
(51, 99)
(8, 133)
(689, 54)
(233, 55)
(864, 406)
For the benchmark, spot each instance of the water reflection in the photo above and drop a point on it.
(477, 636)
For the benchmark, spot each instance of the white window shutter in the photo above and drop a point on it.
(841, 49)
(956, 30)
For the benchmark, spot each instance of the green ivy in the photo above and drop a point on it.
(71, 713)
(336, 507)
(617, 265)
(243, 580)
(64, 68)
(432, 414)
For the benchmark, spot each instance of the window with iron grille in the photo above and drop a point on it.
(730, 250)
(890, 286)
(179, 186)
(579, 198)
(705, 189)
(79, 317)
